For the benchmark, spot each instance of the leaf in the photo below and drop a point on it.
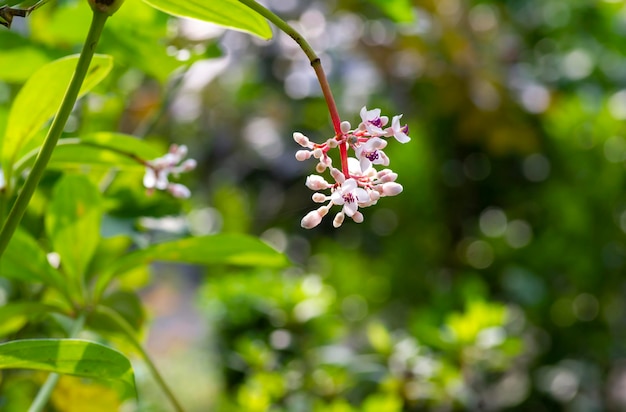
(73, 223)
(400, 11)
(41, 96)
(24, 260)
(227, 13)
(233, 249)
(105, 149)
(68, 356)
(15, 315)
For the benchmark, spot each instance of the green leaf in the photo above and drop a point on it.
(15, 315)
(400, 11)
(73, 223)
(40, 98)
(233, 249)
(24, 260)
(227, 13)
(104, 150)
(68, 356)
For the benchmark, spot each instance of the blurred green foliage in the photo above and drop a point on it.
(493, 282)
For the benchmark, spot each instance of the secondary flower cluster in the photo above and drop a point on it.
(159, 169)
(358, 183)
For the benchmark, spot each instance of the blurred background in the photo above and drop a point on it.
(495, 281)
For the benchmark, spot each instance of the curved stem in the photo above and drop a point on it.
(19, 208)
(46, 389)
(127, 329)
(316, 63)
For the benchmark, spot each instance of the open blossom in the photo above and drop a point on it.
(158, 171)
(359, 184)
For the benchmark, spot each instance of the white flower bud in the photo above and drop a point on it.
(317, 153)
(337, 175)
(387, 175)
(374, 195)
(179, 191)
(357, 217)
(320, 167)
(338, 220)
(345, 127)
(312, 219)
(187, 166)
(301, 139)
(323, 211)
(332, 143)
(315, 182)
(303, 155)
(319, 197)
(181, 151)
(392, 189)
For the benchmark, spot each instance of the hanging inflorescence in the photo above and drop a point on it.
(358, 184)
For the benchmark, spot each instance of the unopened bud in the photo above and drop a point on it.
(303, 155)
(188, 165)
(392, 189)
(337, 175)
(317, 153)
(312, 219)
(338, 220)
(315, 182)
(179, 191)
(387, 175)
(345, 127)
(107, 7)
(357, 217)
(301, 139)
(319, 197)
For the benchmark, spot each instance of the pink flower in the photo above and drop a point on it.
(373, 122)
(349, 195)
(397, 131)
(158, 171)
(371, 153)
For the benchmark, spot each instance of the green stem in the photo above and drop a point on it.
(316, 63)
(19, 208)
(40, 401)
(128, 330)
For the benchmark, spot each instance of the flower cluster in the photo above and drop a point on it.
(159, 169)
(358, 183)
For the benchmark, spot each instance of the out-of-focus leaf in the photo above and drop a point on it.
(29, 57)
(400, 11)
(25, 260)
(68, 356)
(104, 149)
(379, 337)
(15, 315)
(73, 223)
(75, 394)
(231, 249)
(227, 13)
(128, 305)
(40, 98)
